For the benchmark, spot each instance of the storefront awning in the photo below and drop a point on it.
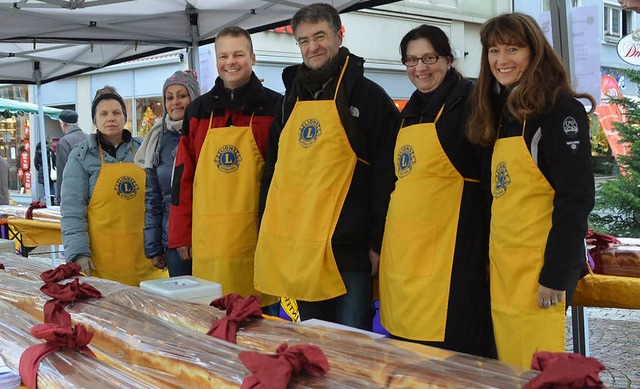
(12, 107)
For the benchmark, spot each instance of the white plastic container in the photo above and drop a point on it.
(187, 288)
(7, 246)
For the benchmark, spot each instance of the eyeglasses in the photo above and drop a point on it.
(318, 38)
(427, 59)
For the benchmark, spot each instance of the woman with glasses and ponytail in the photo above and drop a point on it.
(433, 270)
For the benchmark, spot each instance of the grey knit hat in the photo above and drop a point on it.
(187, 78)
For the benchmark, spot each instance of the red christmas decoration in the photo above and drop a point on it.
(24, 160)
(27, 180)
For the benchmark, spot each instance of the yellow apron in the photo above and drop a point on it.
(315, 166)
(115, 217)
(226, 191)
(420, 236)
(520, 224)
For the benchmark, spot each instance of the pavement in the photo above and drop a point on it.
(614, 340)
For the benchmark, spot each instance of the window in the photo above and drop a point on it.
(617, 23)
(545, 4)
(148, 110)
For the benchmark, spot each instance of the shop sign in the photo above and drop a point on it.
(27, 180)
(20, 172)
(629, 48)
(24, 160)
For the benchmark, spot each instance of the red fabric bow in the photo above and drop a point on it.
(600, 241)
(62, 272)
(565, 371)
(238, 310)
(275, 371)
(32, 206)
(71, 291)
(62, 295)
(57, 338)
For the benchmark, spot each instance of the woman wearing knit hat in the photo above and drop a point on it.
(157, 155)
(102, 202)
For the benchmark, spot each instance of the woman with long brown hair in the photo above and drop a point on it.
(541, 183)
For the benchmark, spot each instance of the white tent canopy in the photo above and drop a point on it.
(46, 40)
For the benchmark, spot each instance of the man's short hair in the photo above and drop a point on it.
(315, 13)
(236, 31)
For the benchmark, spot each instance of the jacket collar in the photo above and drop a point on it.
(247, 98)
(354, 71)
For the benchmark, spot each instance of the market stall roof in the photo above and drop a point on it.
(46, 40)
(12, 107)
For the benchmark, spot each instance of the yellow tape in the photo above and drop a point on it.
(290, 307)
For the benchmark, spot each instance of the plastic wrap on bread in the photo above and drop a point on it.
(163, 351)
(63, 369)
(623, 261)
(356, 360)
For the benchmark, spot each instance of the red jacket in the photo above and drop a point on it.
(229, 108)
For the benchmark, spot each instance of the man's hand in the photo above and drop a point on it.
(375, 262)
(159, 261)
(184, 252)
(548, 297)
(85, 263)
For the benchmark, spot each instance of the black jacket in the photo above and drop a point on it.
(37, 162)
(564, 158)
(469, 300)
(361, 222)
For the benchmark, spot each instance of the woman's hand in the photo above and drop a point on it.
(184, 252)
(159, 261)
(85, 263)
(548, 297)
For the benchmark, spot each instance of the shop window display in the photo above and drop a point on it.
(14, 141)
(15, 144)
(148, 110)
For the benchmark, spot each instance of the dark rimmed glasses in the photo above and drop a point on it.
(427, 59)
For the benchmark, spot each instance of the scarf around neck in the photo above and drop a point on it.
(148, 155)
(309, 81)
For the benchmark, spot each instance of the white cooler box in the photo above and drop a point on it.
(187, 288)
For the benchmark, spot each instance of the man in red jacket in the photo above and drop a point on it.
(213, 219)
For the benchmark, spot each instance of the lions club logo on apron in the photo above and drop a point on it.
(406, 160)
(502, 180)
(309, 132)
(228, 159)
(126, 187)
